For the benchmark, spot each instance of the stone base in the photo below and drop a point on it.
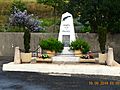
(67, 51)
(88, 69)
(68, 59)
(88, 60)
(102, 58)
(110, 57)
(17, 56)
(26, 57)
(44, 60)
(67, 56)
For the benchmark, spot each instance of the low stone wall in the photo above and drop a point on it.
(8, 42)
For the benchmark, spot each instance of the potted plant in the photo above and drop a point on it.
(51, 46)
(102, 33)
(80, 47)
(27, 55)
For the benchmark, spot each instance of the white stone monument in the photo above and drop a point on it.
(67, 32)
(67, 29)
(66, 36)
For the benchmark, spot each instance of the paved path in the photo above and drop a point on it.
(37, 81)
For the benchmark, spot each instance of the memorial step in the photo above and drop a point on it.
(67, 51)
(70, 59)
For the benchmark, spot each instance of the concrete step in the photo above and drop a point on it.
(67, 51)
(62, 58)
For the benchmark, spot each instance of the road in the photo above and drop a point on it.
(38, 81)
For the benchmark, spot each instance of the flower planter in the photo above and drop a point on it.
(26, 57)
(102, 58)
(78, 53)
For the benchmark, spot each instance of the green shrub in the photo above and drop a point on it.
(27, 37)
(102, 33)
(51, 44)
(80, 44)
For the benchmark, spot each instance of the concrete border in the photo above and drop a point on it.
(87, 69)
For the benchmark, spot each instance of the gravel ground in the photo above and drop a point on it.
(37, 81)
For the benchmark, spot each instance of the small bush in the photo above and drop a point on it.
(102, 33)
(27, 37)
(51, 44)
(80, 44)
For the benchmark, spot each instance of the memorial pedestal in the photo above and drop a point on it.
(17, 56)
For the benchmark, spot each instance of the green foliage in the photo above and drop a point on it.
(27, 37)
(46, 22)
(49, 24)
(18, 4)
(85, 29)
(62, 6)
(3, 20)
(6, 28)
(53, 3)
(51, 44)
(48, 2)
(5, 8)
(15, 29)
(80, 44)
(101, 13)
(58, 5)
(45, 56)
(72, 7)
(102, 33)
(40, 10)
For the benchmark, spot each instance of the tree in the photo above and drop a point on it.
(27, 37)
(101, 13)
(103, 16)
(19, 18)
(56, 4)
(102, 34)
(73, 7)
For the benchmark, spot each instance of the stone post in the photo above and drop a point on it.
(110, 57)
(17, 56)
